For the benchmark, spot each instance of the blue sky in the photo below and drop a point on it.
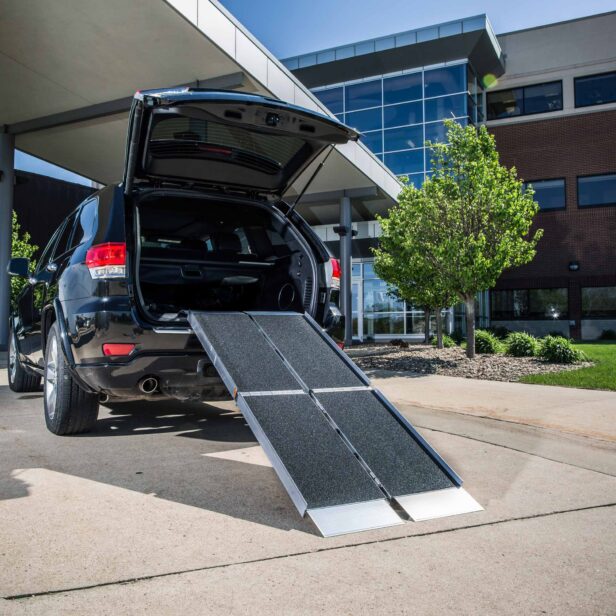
(292, 27)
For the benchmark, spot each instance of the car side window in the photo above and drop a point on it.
(46, 256)
(63, 244)
(87, 224)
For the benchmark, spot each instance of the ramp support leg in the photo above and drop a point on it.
(346, 236)
(7, 178)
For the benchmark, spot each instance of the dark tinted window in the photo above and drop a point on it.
(445, 107)
(46, 256)
(373, 140)
(404, 138)
(405, 162)
(87, 224)
(549, 194)
(401, 115)
(362, 95)
(172, 135)
(538, 98)
(446, 80)
(402, 88)
(599, 302)
(63, 244)
(370, 119)
(595, 89)
(332, 99)
(597, 190)
(529, 304)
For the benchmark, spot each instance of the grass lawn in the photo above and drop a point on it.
(600, 376)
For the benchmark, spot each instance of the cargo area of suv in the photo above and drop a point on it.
(196, 253)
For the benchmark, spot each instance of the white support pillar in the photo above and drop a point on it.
(346, 236)
(7, 181)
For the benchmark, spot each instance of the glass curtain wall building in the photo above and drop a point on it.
(397, 114)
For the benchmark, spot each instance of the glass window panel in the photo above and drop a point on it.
(356, 270)
(377, 297)
(436, 132)
(369, 270)
(595, 90)
(445, 107)
(547, 303)
(88, 223)
(404, 138)
(597, 190)
(401, 115)
(415, 322)
(416, 179)
(446, 80)
(362, 95)
(402, 88)
(549, 194)
(374, 141)
(370, 119)
(599, 302)
(332, 99)
(384, 324)
(505, 103)
(405, 162)
(543, 97)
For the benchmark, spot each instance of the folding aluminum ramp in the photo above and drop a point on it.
(346, 456)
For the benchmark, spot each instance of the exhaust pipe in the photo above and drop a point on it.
(102, 398)
(148, 385)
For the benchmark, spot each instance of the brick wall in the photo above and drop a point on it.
(565, 147)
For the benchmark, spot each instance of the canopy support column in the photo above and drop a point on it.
(7, 181)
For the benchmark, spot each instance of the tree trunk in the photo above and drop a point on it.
(427, 324)
(469, 302)
(439, 329)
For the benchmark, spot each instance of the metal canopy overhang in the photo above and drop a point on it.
(69, 69)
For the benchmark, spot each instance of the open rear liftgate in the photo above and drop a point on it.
(345, 455)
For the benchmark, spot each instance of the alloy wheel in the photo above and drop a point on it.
(51, 377)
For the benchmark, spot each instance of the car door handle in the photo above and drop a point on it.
(52, 267)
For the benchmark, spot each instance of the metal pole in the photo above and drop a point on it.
(346, 236)
(7, 180)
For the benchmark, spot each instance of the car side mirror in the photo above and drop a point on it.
(19, 266)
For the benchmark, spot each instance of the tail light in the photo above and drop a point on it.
(107, 260)
(118, 348)
(333, 273)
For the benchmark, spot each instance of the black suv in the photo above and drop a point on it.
(198, 223)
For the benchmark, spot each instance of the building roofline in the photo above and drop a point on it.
(558, 23)
(386, 36)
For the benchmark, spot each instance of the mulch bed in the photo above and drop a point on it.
(424, 359)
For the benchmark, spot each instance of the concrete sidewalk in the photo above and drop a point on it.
(582, 412)
(171, 508)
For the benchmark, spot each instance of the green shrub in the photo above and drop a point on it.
(559, 350)
(521, 344)
(501, 332)
(607, 334)
(20, 247)
(486, 342)
(448, 342)
(557, 334)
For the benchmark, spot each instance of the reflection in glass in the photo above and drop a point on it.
(404, 138)
(402, 88)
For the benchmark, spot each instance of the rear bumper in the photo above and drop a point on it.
(181, 376)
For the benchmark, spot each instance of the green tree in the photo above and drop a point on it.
(470, 221)
(400, 261)
(481, 216)
(20, 247)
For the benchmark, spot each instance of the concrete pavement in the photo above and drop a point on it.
(169, 508)
(583, 412)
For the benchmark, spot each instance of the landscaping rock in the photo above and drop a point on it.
(423, 359)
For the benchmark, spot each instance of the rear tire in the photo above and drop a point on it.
(19, 379)
(68, 408)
